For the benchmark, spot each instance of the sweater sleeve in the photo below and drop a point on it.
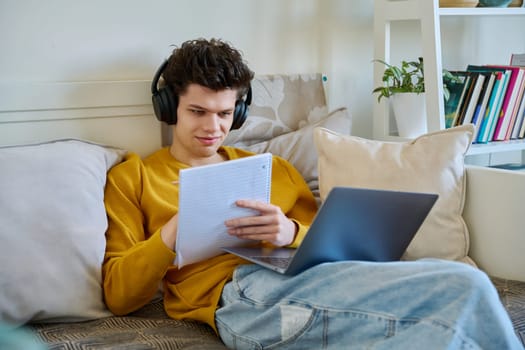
(291, 192)
(135, 261)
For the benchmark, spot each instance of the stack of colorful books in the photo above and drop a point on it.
(492, 97)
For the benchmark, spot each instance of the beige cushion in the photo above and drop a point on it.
(281, 104)
(53, 225)
(430, 163)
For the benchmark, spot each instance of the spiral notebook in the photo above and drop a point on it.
(207, 196)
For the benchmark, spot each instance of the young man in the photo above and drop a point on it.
(425, 304)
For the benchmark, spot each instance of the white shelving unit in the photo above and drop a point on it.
(429, 14)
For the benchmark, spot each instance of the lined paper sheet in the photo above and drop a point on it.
(207, 196)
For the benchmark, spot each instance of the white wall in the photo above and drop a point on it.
(68, 40)
(73, 40)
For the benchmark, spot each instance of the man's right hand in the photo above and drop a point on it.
(168, 232)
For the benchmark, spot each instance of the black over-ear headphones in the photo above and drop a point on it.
(165, 102)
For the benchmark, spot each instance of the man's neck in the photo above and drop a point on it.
(197, 161)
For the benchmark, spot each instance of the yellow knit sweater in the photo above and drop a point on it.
(140, 198)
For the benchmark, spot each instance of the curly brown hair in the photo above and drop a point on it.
(212, 63)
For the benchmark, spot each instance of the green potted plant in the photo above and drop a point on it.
(409, 77)
(405, 84)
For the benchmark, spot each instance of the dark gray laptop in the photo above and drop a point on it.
(352, 224)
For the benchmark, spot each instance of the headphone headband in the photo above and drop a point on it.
(156, 77)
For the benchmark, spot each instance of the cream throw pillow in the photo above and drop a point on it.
(430, 163)
(281, 103)
(52, 229)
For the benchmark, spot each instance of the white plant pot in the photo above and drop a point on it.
(410, 114)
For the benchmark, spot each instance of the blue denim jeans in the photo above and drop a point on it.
(426, 304)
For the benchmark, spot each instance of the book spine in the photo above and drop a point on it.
(507, 107)
(485, 125)
(467, 98)
(522, 129)
(499, 102)
(456, 92)
(474, 99)
(520, 89)
(461, 102)
(482, 106)
(520, 122)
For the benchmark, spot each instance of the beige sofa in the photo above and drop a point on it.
(286, 113)
(494, 215)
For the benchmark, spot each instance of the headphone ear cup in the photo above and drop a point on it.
(164, 101)
(241, 110)
(239, 114)
(165, 106)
